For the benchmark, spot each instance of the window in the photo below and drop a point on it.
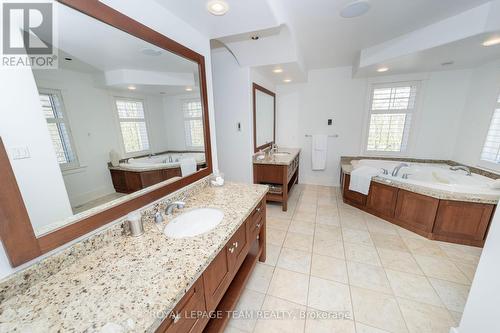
(59, 130)
(491, 148)
(391, 110)
(193, 123)
(132, 125)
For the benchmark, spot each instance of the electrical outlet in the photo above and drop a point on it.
(19, 153)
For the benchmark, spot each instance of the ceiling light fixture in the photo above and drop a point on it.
(382, 69)
(355, 9)
(189, 89)
(287, 80)
(277, 70)
(131, 88)
(217, 7)
(492, 41)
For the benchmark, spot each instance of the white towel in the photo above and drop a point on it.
(319, 150)
(361, 178)
(188, 166)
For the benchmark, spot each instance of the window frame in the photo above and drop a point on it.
(418, 83)
(184, 119)
(485, 163)
(119, 121)
(74, 165)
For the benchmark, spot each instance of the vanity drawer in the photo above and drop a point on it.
(183, 318)
(256, 220)
(237, 248)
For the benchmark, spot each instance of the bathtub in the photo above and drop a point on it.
(161, 161)
(434, 176)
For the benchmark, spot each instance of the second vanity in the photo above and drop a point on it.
(150, 283)
(279, 170)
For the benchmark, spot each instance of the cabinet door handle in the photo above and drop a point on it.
(235, 244)
(177, 317)
(231, 249)
(258, 225)
(258, 209)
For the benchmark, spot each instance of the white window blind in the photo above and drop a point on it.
(59, 129)
(132, 125)
(193, 123)
(491, 148)
(391, 111)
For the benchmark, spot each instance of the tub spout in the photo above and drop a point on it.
(396, 169)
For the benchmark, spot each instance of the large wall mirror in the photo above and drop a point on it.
(122, 121)
(264, 117)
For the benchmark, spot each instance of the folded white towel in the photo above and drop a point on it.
(319, 151)
(361, 178)
(188, 166)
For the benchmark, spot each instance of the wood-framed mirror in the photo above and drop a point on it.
(264, 117)
(120, 123)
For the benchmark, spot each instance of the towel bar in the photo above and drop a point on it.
(330, 136)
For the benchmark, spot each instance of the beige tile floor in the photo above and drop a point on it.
(326, 259)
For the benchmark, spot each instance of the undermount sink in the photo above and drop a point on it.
(193, 223)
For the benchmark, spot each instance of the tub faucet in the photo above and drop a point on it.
(396, 169)
(461, 167)
(171, 206)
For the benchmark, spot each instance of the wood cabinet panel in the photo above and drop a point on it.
(182, 318)
(382, 199)
(354, 197)
(238, 249)
(217, 278)
(416, 211)
(462, 220)
(271, 174)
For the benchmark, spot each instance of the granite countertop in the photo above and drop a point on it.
(284, 159)
(131, 282)
(429, 191)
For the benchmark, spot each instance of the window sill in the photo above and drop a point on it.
(73, 170)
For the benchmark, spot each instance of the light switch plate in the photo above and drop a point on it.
(19, 153)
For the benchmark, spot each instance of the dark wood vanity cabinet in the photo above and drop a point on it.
(446, 220)
(281, 179)
(184, 317)
(221, 284)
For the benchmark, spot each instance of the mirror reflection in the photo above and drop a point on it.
(264, 109)
(120, 115)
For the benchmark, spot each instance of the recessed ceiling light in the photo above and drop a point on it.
(355, 9)
(255, 37)
(382, 69)
(189, 89)
(287, 80)
(492, 41)
(217, 7)
(131, 88)
(277, 70)
(151, 52)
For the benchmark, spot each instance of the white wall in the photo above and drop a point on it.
(333, 93)
(232, 96)
(151, 14)
(481, 310)
(476, 118)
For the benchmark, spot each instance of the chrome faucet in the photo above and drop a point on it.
(396, 169)
(171, 206)
(461, 167)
